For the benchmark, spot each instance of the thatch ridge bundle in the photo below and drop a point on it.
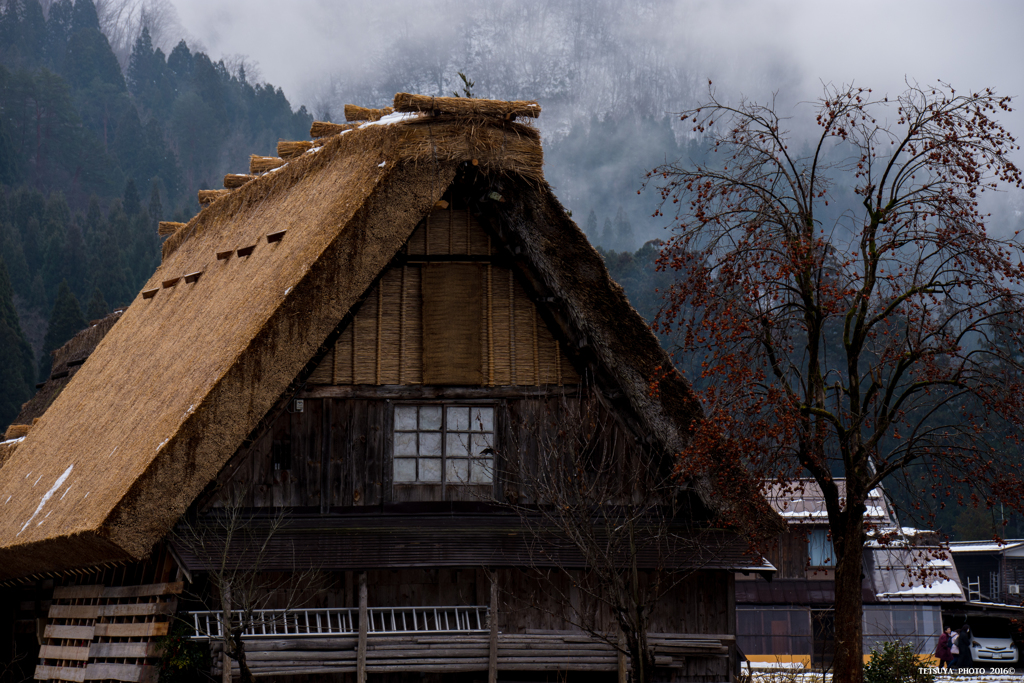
(261, 164)
(16, 431)
(165, 228)
(357, 113)
(233, 181)
(289, 149)
(210, 196)
(466, 106)
(321, 129)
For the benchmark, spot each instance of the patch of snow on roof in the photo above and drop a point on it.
(162, 444)
(982, 547)
(49, 494)
(945, 564)
(20, 438)
(947, 587)
(381, 164)
(392, 119)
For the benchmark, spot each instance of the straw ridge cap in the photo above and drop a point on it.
(497, 144)
(407, 102)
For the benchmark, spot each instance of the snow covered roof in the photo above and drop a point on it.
(913, 574)
(1007, 547)
(803, 503)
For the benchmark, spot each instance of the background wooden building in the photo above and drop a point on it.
(380, 336)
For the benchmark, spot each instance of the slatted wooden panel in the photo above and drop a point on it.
(99, 633)
(387, 340)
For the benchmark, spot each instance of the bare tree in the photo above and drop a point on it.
(122, 22)
(236, 542)
(607, 514)
(857, 339)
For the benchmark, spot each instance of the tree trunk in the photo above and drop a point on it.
(848, 665)
(244, 675)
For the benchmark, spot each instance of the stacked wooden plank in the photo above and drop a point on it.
(548, 651)
(100, 633)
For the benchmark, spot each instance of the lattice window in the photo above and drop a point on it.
(443, 444)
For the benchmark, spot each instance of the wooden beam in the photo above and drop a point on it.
(623, 669)
(492, 646)
(420, 392)
(77, 592)
(132, 630)
(60, 673)
(363, 625)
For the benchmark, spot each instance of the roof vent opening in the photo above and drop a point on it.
(276, 236)
(246, 251)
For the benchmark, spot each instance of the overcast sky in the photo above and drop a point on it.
(873, 43)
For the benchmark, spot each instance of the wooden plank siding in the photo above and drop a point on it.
(447, 322)
(348, 463)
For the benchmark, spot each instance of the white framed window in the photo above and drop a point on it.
(443, 444)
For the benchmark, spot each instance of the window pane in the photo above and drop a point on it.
(457, 445)
(458, 419)
(405, 469)
(405, 443)
(430, 443)
(430, 417)
(405, 418)
(456, 470)
(430, 469)
(481, 419)
(482, 472)
(479, 443)
(819, 549)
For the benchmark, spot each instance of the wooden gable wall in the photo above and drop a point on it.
(448, 313)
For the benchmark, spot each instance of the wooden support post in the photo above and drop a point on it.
(492, 661)
(623, 669)
(363, 625)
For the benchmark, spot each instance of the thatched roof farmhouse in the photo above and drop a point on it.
(417, 256)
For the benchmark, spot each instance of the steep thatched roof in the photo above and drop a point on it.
(246, 294)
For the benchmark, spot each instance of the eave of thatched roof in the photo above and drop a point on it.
(211, 343)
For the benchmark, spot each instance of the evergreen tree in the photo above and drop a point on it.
(16, 369)
(156, 209)
(89, 58)
(97, 307)
(179, 62)
(608, 234)
(84, 16)
(66, 321)
(591, 225)
(58, 32)
(624, 236)
(132, 204)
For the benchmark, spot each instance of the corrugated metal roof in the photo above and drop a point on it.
(802, 503)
